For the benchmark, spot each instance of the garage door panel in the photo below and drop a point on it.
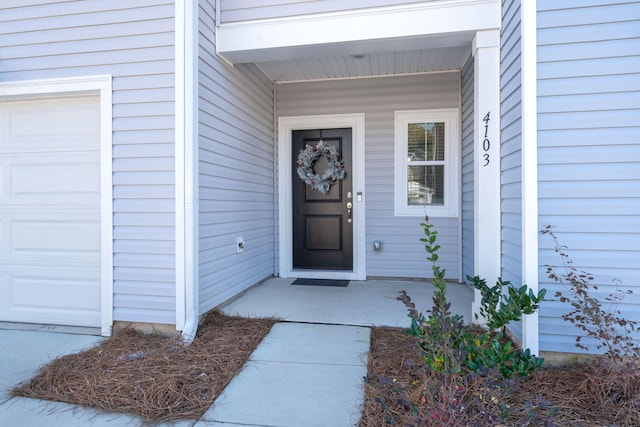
(36, 297)
(60, 179)
(64, 238)
(51, 123)
(50, 259)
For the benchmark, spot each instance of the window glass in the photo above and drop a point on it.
(425, 185)
(427, 150)
(425, 141)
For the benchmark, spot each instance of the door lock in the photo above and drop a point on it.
(349, 195)
(349, 207)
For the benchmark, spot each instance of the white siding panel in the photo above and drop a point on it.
(589, 157)
(132, 41)
(144, 44)
(590, 102)
(236, 166)
(582, 13)
(588, 85)
(403, 255)
(590, 67)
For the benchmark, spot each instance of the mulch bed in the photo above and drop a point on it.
(159, 379)
(154, 377)
(598, 393)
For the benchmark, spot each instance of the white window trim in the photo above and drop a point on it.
(452, 158)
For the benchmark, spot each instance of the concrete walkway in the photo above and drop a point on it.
(301, 375)
(308, 371)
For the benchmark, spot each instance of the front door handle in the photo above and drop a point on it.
(349, 207)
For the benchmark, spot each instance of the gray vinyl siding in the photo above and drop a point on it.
(467, 83)
(247, 10)
(134, 42)
(403, 255)
(589, 150)
(511, 148)
(236, 168)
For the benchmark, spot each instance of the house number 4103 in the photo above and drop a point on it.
(486, 144)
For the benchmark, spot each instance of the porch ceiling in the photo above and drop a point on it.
(367, 64)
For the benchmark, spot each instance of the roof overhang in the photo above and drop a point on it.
(425, 25)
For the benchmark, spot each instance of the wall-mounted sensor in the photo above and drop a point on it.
(377, 245)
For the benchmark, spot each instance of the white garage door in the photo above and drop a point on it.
(50, 210)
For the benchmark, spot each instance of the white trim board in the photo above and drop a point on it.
(285, 126)
(102, 85)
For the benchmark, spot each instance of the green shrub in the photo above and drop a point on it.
(449, 346)
(499, 308)
(466, 373)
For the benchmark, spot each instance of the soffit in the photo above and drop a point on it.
(367, 64)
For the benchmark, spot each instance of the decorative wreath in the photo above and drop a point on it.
(333, 172)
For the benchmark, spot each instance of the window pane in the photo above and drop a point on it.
(425, 185)
(425, 141)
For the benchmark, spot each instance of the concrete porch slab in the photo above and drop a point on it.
(363, 303)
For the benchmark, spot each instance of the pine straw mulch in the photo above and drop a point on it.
(159, 379)
(154, 377)
(587, 395)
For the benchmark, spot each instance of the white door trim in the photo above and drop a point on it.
(91, 84)
(285, 223)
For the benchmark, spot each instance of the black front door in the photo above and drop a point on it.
(322, 223)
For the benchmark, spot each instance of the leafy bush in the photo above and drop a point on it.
(466, 373)
(441, 335)
(498, 308)
(449, 346)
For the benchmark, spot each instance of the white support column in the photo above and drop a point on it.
(528, 65)
(486, 172)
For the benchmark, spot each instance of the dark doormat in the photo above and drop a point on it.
(321, 282)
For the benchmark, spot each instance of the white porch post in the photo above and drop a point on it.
(486, 172)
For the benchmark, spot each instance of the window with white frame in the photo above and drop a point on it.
(426, 162)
